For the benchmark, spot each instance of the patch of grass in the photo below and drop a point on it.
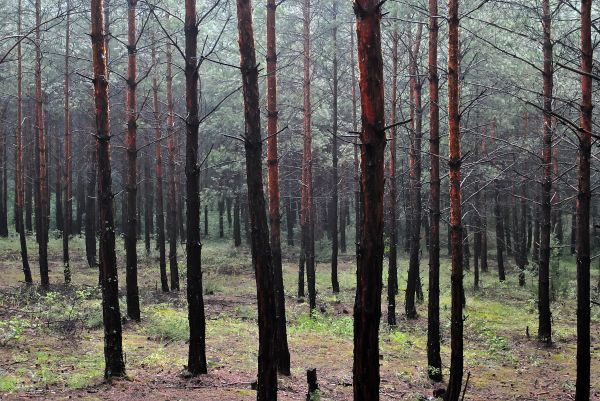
(165, 323)
(339, 326)
(8, 383)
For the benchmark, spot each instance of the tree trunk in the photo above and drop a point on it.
(499, 231)
(41, 140)
(367, 303)
(113, 350)
(357, 185)
(172, 195)
(456, 325)
(237, 233)
(133, 299)
(19, 176)
(221, 207)
(584, 195)
(333, 218)
(264, 270)
(282, 351)
(434, 360)
(414, 154)
(545, 318)
(308, 210)
(197, 348)
(393, 230)
(67, 171)
(58, 195)
(160, 213)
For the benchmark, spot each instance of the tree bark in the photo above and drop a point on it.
(41, 141)
(333, 218)
(584, 195)
(308, 210)
(19, 176)
(67, 171)
(545, 317)
(113, 350)
(456, 325)
(367, 303)
(416, 112)
(282, 351)
(393, 230)
(434, 360)
(261, 250)
(160, 213)
(171, 198)
(133, 299)
(197, 348)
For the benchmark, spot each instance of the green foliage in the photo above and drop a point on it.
(7, 383)
(12, 329)
(339, 326)
(165, 323)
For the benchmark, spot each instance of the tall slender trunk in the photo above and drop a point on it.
(483, 210)
(39, 122)
(367, 303)
(557, 226)
(545, 317)
(197, 348)
(456, 325)
(357, 187)
(393, 230)
(19, 176)
(434, 361)
(171, 197)
(413, 281)
(308, 212)
(90, 208)
(499, 231)
(160, 212)
(333, 218)
(133, 298)
(237, 232)
(67, 170)
(282, 351)
(584, 195)
(113, 350)
(58, 188)
(266, 288)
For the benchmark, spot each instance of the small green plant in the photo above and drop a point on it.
(12, 330)
(7, 383)
(167, 324)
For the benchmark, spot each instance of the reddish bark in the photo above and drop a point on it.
(367, 303)
(434, 361)
(283, 353)
(456, 325)
(113, 350)
(261, 250)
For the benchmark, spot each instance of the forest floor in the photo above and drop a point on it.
(51, 344)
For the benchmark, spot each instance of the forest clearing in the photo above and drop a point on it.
(299, 200)
(52, 344)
